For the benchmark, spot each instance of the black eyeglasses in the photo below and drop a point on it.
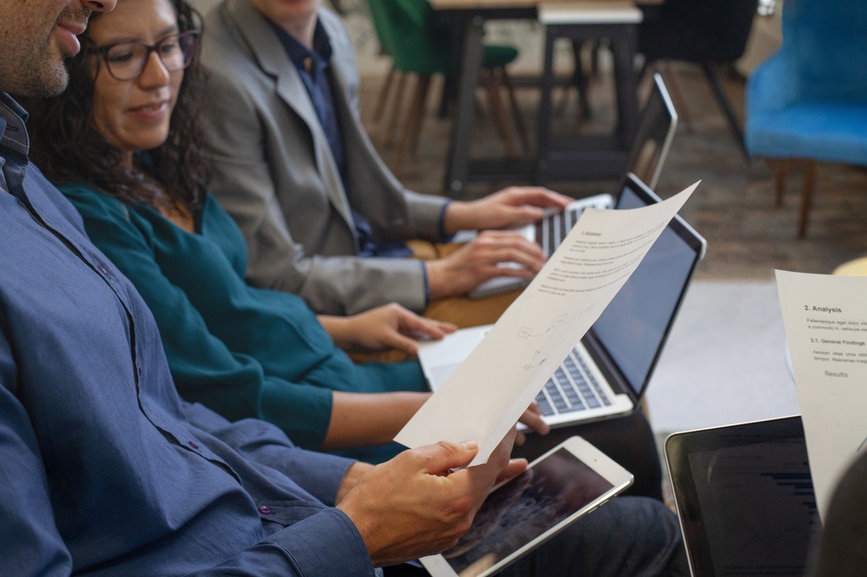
(127, 60)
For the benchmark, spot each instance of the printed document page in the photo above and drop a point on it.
(825, 317)
(486, 395)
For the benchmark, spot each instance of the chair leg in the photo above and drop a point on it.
(425, 81)
(807, 187)
(413, 117)
(726, 107)
(516, 112)
(781, 174)
(383, 96)
(579, 80)
(581, 77)
(499, 115)
(395, 116)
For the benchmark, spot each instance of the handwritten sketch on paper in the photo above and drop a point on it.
(489, 391)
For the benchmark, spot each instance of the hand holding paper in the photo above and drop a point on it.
(489, 391)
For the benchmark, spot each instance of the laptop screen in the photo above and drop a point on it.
(656, 127)
(745, 498)
(634, 326)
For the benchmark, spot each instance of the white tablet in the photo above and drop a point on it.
(562, 485)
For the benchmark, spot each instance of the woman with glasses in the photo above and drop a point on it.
(123, 143)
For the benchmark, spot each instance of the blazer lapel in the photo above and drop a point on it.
(272, 59)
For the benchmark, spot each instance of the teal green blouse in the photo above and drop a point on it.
(243, 351)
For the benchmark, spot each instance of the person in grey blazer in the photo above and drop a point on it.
(309, 211)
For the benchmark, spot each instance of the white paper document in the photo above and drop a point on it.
(825, 317)
(486, 395)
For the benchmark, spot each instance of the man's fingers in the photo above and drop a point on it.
(538, 196)
(443, 457)
(508, 246)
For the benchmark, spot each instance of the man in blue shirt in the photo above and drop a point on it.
(104, 471)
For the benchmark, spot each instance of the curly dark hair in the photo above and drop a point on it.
(67, 146)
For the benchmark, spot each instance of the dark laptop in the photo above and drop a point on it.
(744, 497)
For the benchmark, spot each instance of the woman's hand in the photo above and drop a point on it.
(390, 326)
(532, 419)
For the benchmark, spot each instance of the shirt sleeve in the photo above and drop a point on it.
(326, 543)
(30, 543)
(320, 474)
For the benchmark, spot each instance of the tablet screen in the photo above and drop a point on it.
(524, 509)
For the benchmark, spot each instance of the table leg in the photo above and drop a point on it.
(626, 84)
(457, 163)
(543, 125)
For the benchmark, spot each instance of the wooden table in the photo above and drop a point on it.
(467, 19)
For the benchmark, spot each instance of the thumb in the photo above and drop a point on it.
(443, 457)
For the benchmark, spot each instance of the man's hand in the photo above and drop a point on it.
(355, 473)
(509, 207)
(477, 261)
(390, 326)
(414, 505)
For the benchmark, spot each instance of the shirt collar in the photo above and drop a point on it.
(13, 137)
(298, 53)
(12, 129)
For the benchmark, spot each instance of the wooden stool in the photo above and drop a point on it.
(598, 156)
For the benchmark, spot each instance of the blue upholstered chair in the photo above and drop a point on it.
(808, 102)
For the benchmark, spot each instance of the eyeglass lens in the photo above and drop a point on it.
(127, 60)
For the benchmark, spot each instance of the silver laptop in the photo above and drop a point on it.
(607, 373)
(656, 127)
(744, 496)
(549, 233)
(653, 136)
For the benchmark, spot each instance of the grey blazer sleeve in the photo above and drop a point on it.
(273, 172)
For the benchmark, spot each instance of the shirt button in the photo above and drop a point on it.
(193, 445)
(265, 510)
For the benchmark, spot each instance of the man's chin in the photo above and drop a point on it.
(49, 83)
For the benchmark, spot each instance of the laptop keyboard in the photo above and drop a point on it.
(572, 388)
(552, 230)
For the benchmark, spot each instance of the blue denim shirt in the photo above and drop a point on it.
(103, 471)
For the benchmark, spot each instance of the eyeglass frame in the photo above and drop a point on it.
(149, 49)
